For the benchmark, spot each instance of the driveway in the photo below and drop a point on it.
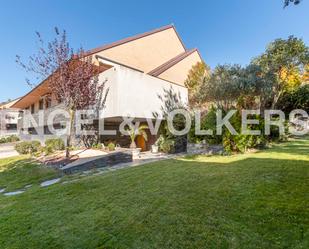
(7, 150)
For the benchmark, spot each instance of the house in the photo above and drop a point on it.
(138, 69)
(8, 118)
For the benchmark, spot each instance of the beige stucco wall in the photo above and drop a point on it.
(179, 72)
(8, 104)
(135, 94)
(148, 52)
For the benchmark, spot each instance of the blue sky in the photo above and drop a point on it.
(226, 31)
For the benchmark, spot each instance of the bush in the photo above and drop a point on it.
(28, 147)
(12, 138)
(166, 145)
(208, 122)
(55, 144)
(240, 142)
(9, 139)
(111, 146)
(48, 150)
(98, 146)
(23, 147)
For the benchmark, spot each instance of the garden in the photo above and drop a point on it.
(251, 200)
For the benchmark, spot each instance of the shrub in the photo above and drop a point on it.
(55, 144)
(48, 150)
(12, 138)
(28, 147)
(98, 146)
(35, 146)
(208, 122)
(111, 146)
(9, 139)
(240, 142)
(166, 145)
(23, 147)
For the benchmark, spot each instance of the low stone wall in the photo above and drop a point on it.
(204, 149)
(110, 159)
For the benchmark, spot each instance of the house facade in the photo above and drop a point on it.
(8, 118)
(137, 70)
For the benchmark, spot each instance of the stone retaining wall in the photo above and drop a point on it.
(110, 159)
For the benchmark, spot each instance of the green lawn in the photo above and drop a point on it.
(258, 200)
(17, 172)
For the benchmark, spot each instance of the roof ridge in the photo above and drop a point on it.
(132, 38)
(168, 64)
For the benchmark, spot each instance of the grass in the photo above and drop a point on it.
(17, 172)
(255, 200)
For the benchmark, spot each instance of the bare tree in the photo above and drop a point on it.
(72, 77)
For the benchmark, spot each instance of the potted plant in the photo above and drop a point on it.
(133, 133)
(155, 146)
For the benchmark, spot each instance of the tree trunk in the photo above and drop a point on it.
(70, 133)
(275, 100)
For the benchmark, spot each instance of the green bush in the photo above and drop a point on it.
(98, 146)
(23, 147)
(28, 147)
(111, 146)
(55, 144)
(9, 139)
(234, 143)
(166, 145)
(208, 122)
(12, 138)
(240, 142)
(48, 150)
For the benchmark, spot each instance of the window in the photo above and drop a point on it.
(11, 127)
(32, 108)
(41, 104)
(47, 102)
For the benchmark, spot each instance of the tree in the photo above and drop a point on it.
(197, 75)
(293, 79)
(222, 87)
(287, 2)
(71, 76)
(283, 58)
(255, 87)
(305, 77)
(297, 99)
